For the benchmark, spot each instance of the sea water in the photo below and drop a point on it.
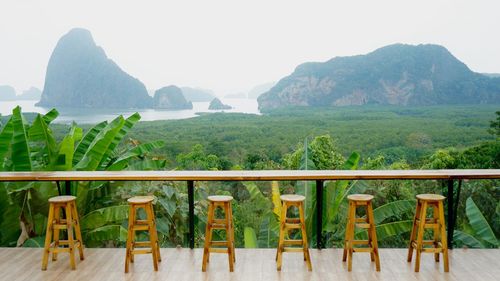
(95, 115)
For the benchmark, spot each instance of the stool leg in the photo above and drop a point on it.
(444, 242)
(413, 234)
(208, 237)
(48, 237)
(279, 257)
(71, 241)
(152, 235)
(78, 232)
(232, 230)
(346, 239)
(304, 236)
(228, 236)
(57, 219)
(436, 230)
(130, 236)
(352, 222)
(420, 235)
(373, 235)
(157, 241)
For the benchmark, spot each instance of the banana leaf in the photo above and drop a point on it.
(100, 145)
(387, 230)
(104, 216)
(106, 233)
(140, 150)
(393, 209)
(467, 239)
(129, 123)
(335, 193)
(250, 238)
(5, 141)
(50, 116)
(21, 160)
(84, 144)
(479, 224)
(40, 132)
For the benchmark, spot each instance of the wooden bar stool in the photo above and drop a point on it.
(134, 224)
(66, 204)
(436, 223)
(367, 223)
(287, 224)
(226, 223)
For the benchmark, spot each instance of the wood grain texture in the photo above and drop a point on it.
(253, 264)
(267, 175)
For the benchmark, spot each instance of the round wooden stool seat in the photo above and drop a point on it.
(141, 199)
(360, 197)
(430, 197)
(220, 198)
(62, 199)
(292, 198)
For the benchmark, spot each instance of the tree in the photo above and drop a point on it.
(495, 126)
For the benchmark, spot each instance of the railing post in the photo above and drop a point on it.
(190, 187)
(319, 214)
(67, 185)
(451, 215)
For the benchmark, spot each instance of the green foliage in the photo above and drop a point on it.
(33, 147)
(495, 126)
(480, 228)
(197, 159)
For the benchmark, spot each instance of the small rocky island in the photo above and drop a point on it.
(216, 104)
(171, 97)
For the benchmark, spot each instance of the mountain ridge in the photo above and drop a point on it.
(398, 74)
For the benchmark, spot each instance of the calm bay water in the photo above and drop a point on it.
(94, 115)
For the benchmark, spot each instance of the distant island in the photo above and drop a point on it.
(393, 75)
(197, 94)
(8, 93)
(216, 104)
(171, 97)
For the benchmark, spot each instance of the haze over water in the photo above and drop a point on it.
(91, 115)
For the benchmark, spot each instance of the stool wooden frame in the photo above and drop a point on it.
(55, 223)
(134, 224)
(226, 223)
(436, 223)
(287, 224)
(368, 223)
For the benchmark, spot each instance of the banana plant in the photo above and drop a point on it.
(32, 147)
(478, 234)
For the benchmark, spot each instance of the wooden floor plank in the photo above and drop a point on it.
(251, 264)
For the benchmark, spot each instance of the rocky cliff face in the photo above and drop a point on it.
(171, 97)
(79, 74)
(396, 74)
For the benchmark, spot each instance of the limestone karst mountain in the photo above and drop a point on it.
(396, 74)
(79, 74)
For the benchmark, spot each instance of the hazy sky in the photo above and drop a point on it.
(231, 46)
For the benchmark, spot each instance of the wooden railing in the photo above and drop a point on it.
(269, 175)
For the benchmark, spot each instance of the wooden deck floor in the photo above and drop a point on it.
(251, 264)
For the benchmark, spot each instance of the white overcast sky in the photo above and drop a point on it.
(230, 46)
